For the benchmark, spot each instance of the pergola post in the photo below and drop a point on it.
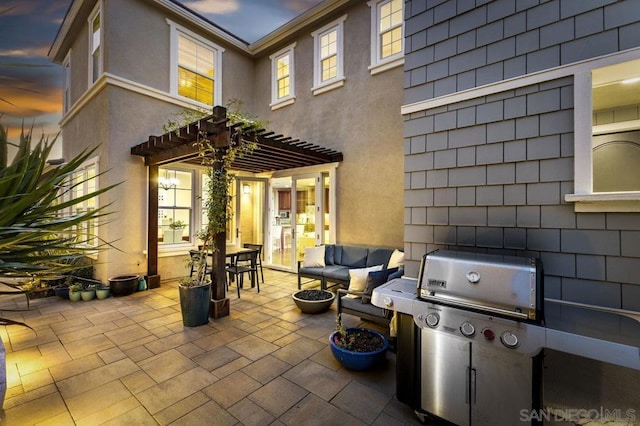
(153, 279)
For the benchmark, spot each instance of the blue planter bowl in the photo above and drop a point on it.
(359, 361)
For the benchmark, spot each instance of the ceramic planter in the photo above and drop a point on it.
(103, 293)
(88, 294)
(314, 304)
(62, 292)
(123, 285)
(74, 296)
(194, 303)
(359, 361)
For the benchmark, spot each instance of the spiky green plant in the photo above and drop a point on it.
(39, 235)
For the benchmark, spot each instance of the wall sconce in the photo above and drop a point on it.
(246, 189)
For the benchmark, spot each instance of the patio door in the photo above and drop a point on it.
(250, 211)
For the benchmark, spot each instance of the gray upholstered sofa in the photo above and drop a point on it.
(339, 259)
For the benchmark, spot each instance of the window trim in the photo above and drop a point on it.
(97, 10)
(378, 64)
(90, 162)
(337, 81)
(193, 214)
(583, 196)
(175, 29)
(66, 83)
(291, 97)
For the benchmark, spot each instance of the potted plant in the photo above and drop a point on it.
(102, 292)
(88, 293)
(313, 301)
(75, 292)
(174, 233)
(195, 291)
(358, 348)
(62, 289)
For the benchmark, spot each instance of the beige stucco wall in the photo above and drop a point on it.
(361, 119)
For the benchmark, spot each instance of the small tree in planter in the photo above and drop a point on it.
(216, 203)
(357, 348)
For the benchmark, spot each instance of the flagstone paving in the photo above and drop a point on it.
(129, 360)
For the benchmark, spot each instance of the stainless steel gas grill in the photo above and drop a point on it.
(476, 357)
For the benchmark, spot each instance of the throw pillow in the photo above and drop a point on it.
(358, 278)
(396, 260)
(375, 279)
(313, 257)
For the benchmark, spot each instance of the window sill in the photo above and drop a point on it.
(282, 103)
(325, 87)
(605, 202)
(175, 250)
(385, 66)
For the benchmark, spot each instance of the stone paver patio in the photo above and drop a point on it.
(129, 360)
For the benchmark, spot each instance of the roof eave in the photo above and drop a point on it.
(296, 24)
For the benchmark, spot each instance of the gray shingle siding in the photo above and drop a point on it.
(500, 165)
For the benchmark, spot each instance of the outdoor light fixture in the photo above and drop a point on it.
(166, 183)
(246, 189)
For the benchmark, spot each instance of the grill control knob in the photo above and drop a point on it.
(488, 334)
(388, 302)
(509, 339)
(432, 320)
(467, 329)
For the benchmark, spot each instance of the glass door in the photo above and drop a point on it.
(307, 219)
(279, 248)
(250, 211)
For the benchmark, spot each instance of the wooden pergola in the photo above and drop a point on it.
(273, 152)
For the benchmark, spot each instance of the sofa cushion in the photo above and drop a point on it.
(329, 254)
(375, 279)
(398, 274)
(314, 257)
(355, 305)
(396, 259)
(358, 278)
(354, 257)
(336, 272)
(311, 271)
(379, 256)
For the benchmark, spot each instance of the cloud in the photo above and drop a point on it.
(26, 52)
(215, 7)
(299, 6)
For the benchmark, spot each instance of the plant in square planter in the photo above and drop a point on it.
(358, 348)
(313, 301)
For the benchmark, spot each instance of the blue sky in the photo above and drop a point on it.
(30, 86)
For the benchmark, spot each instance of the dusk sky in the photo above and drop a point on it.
(31, 86)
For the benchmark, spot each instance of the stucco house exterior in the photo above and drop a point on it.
(325, 78)
(521, 127)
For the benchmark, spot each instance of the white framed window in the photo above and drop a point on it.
(387, 35)
(607, 134)
(283, 77)
(95, 44)
(176, 201)
(195, 67)
(66, 83)
(328, 57)
(85, 181)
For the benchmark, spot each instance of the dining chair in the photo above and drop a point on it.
(259, 248)
(244, 263)
(195, 258)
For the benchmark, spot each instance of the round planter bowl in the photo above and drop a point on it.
(62, 292)
(87, 295)
(102, 293)
(359, 361)
(313, 306)
(123, 285)
(74, 296)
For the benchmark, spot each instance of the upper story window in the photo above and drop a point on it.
(95, 43)
(282, 77)
(328, 70)
(386, 35)
(607, 136)
(66, 83)
(195, 67)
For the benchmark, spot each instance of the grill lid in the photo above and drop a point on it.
(504, 285)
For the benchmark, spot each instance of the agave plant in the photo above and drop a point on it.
(38, 234)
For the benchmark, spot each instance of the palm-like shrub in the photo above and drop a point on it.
(39, 233)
